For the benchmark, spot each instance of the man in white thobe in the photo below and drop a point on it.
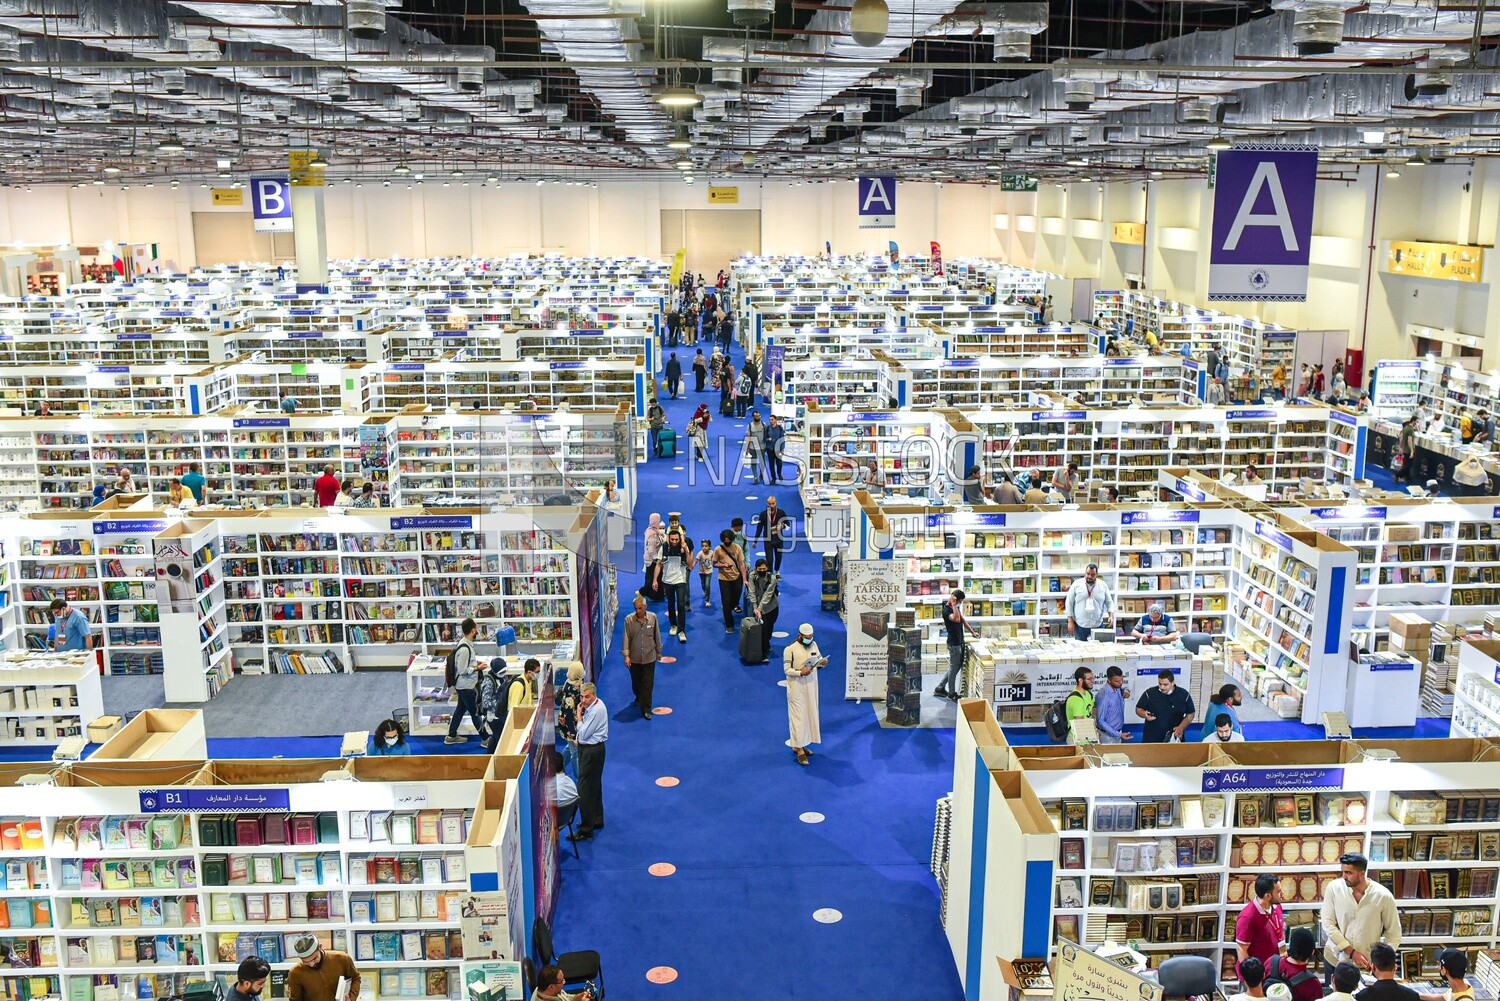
(801, 662)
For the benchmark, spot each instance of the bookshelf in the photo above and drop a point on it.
(46, 697)
(1276, 594)
(190, 598)
(113, 904)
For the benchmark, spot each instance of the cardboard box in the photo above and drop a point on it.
(104, 728)
(158, 735)
(1408, 626)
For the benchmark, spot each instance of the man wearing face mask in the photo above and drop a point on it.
(318, 971)
(800, 664)
(765, 604)
(250, 979)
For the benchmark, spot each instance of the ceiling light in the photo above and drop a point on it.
(1078, 161)
(317, 161)
(1392, 171)
(176, 185)
(1218, 143)
(868, 22)
(416, 177)
(1373, 137)
(677, 96)
(401, 168)
(98, 182)
(111, 169)
(680, 140)
(540, 182)
(171, 144)
(456, 172)
(684, 164)
(1416, 160)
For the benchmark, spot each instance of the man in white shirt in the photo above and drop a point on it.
(1089, 604)
(1357, 913)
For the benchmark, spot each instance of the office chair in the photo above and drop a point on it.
(1187, 977)
(565, 817)
(1193, 642)
(578, 967)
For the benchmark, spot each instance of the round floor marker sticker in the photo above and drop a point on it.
(663, 710)
(662, 869)
(678, 469)
(667, 660)
(668, 781)
(752, 497)
(780, 634)
(827, 916)
(811, 818)
(781, 683)
(661, 974)
(673, 486)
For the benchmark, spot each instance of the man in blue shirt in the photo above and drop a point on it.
(194, 481)
(1155, 626)
(1109, 708)
(593, 731)
(72, 627)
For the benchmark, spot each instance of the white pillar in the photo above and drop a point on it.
(310, 235)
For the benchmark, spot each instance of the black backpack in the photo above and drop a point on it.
(1274, 975)
(450, 667)
(1056, 719)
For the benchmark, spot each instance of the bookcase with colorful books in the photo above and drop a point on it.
(1164, 853)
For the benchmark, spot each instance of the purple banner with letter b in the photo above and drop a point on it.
(1262, 228)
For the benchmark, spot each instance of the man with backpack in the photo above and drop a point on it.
(498, 695)
(1294, 968)
(462, 679)
(1080, 704)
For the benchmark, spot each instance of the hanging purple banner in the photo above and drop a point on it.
(1262, 229)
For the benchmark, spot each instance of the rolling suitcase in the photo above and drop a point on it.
(666, 442)
(750, 628)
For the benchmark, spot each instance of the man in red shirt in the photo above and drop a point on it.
(1260, 929)
(1293, 968)
(326, 487)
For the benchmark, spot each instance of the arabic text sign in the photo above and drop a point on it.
(215, 800)
(1271, 779)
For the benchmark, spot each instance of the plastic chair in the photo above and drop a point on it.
(565, 817)
(1193, 642)
(578, 967)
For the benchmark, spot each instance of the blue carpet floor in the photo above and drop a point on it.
(736, 920)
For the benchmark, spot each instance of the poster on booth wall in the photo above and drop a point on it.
(937, 258)
(493, 981)
(1262, 226)
(873, 590)
(484, 920)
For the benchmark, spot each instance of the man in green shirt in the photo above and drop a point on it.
(1080, 704)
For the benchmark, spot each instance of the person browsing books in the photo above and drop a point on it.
(1223, 732)
(1222, 702)
(955, 624)
(1345, 982)
(1253, 976)
(319, 972)
(1155, 626)
(250, 979)
(1167, 709)
(1080, 703)
(1089, 604)
(1294, 969)
(1386, 987)
(1455, 966)
(1357, 913)
(70, 630)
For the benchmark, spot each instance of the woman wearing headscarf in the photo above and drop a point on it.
(656, 536)
(567, 712)
(801, 663)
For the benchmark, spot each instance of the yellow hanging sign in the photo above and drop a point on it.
(679, 261)
(1128, 232)
(228, 196)
(1454, 262)
(303, 173)
(724, 195)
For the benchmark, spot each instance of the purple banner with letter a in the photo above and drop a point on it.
(1262, 229)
